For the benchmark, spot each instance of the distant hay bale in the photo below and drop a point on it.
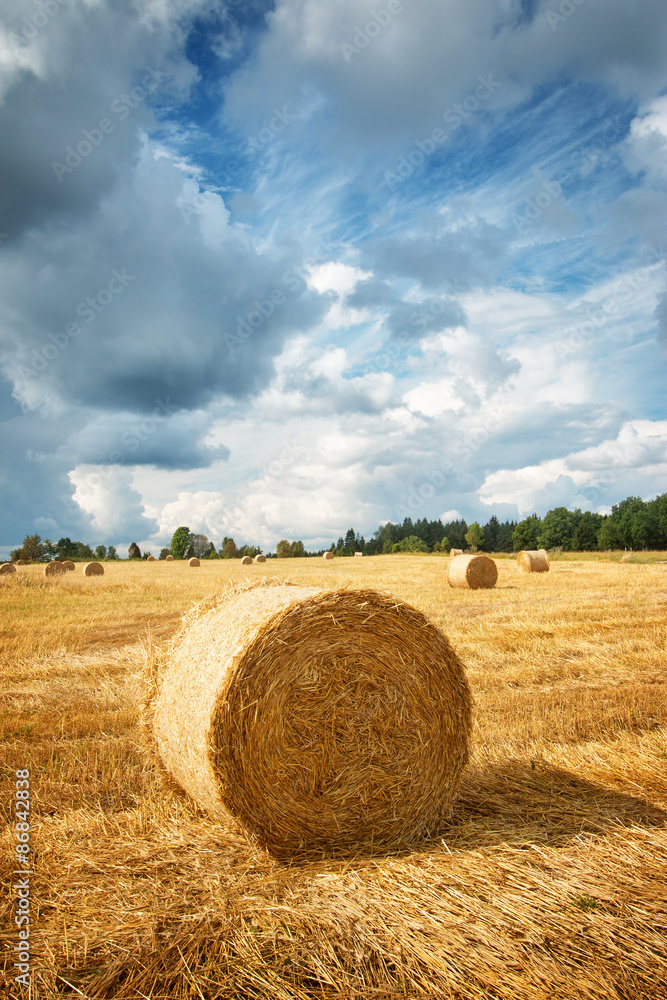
(54, 568)
(93, 569)
(455, 552)
(246, 561)
(150, 559)
(472, 571)
(69, 565)
(533, 561)
(7, 568)
(193, 562)
(321, 721)
(328, 555)
(259, 558)
(168, 558)
(21, 562)
(358, 553)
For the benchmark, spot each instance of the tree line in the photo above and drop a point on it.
(633, 524)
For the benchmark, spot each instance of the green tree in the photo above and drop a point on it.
(644, 528)
(180, 540)
(229, 550)
(413, 543)
(283, 549)
(350, 542)
(111, 553)
(491, 535)
(164, 553)
(65, 548)
(101, 552)
(585, 537)
(525, 533)
(32, 549)
(134, 552)
(297, 550)
(557, 529)
(474, 536)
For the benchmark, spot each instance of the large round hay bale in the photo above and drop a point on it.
(472, 571)
(7, 568)
(69, 565)
(328, 555)
(246, 561)
(193, 562)
(54, 568)
(21, 562)
(169, 558)
(259, 558)
(533, 561)
(322, 721)
(151, 559)
(455, 552)
(93, 569)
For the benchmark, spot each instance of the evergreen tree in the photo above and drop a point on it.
(134, 552)
(283, 549)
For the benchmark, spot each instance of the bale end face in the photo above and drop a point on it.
(260, 558)
(455, 552)
(169, 558)
(54, 568)
(328, 555)
(21, 562)
(151, 559)
(533, 561)
(246, 561)
(7, 568)
(323, 722)
(193, 562)
(93, 569)
(472, 571)
(69, 565)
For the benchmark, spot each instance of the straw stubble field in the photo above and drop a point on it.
(549, 881)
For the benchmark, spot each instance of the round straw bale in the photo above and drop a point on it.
(7, 568)
(54, 568)
(321, 721)
(533, 561)
(246, 561)
(193, 562)
(150, 559)
(472, 571)
(259, 558)
(21, 562)
(169, 558)
(455, 552)
(93, 569)
(69, 565)
(328, 555)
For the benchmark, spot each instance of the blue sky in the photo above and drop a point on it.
(272, 270)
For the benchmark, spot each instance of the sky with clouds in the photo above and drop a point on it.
(275, 269)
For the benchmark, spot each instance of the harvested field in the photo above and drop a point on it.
(548, 883)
